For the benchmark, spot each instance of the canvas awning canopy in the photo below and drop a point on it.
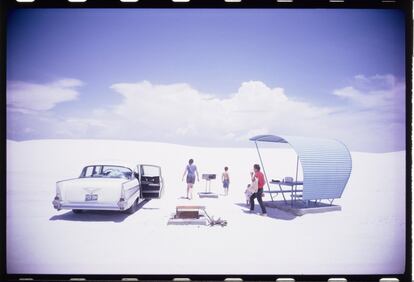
(326, 164)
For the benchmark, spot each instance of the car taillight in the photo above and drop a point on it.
(122, 203)
(122, 192)
(58, 194)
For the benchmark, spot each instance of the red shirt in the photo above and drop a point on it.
(260, 177)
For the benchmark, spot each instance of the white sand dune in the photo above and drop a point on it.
(366, 237)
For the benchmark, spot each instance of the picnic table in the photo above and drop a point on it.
(293, 189)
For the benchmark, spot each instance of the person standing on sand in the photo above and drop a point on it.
(225, 178)
(191, 171)
(258, 175)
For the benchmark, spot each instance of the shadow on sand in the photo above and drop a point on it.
(271, 212)
(97, 216)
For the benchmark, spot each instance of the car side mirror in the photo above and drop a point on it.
(136, 174)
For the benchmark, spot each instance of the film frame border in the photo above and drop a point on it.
(231, 4)
(406, 6)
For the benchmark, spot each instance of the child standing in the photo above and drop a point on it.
(225, 178)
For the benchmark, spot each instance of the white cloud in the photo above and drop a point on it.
(371, 117)
(27, 97)
(375, 111)
(180, 111)
(375, 92)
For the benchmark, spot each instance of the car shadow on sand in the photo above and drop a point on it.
(97, 216)
(271, 212)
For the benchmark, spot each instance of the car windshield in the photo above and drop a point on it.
(106, 171)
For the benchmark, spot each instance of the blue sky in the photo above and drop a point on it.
(93, 70)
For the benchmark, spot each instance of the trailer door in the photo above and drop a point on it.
(151, 181)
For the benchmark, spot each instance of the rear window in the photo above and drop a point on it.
(100, 171)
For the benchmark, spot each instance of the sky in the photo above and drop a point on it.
(207, 77)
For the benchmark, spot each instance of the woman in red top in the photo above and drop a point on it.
(258, 175)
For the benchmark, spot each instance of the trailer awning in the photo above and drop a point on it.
(326, 164)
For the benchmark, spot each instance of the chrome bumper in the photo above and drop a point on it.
(60, 205)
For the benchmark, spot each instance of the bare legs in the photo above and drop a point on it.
(189, 191)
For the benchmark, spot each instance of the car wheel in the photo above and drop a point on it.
(76, 211)
(133, 208)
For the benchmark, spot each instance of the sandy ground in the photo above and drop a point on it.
(366, 237)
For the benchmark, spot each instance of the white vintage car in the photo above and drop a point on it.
(109, 187)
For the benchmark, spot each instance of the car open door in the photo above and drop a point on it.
(151, 181)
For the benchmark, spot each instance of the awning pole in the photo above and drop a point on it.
(264, 171)
(296, 179)
(297, 166)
